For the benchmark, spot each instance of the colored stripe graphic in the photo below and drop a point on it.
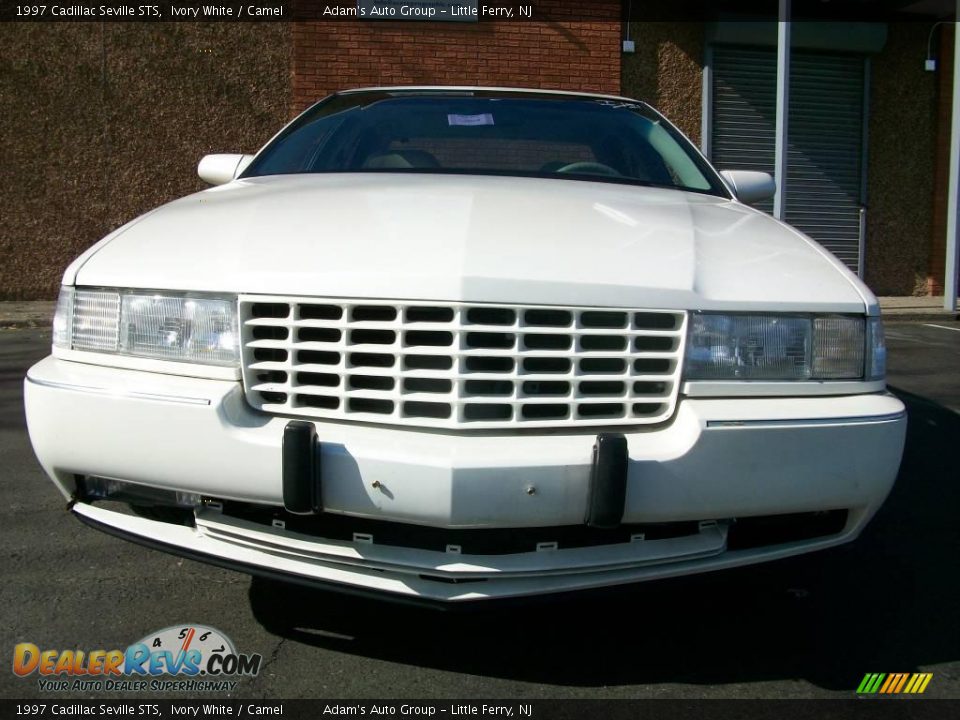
(922, 685)
(890, 683)
(871, 683)
(894, 683)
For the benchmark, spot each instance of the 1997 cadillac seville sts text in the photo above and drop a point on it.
(464, 343)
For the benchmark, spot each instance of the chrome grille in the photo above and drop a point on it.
(460, 365)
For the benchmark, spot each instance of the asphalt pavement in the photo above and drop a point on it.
(809, 627)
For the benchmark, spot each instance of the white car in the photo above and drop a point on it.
(467, 343)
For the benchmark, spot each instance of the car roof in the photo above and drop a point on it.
(482, 88)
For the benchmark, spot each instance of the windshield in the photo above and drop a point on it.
(488, 133)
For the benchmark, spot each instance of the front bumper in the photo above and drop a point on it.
(718, 459)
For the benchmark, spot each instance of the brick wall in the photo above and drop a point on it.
(938, 242)
(563, 55)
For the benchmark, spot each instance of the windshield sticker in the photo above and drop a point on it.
(620, 104)
(470, 120)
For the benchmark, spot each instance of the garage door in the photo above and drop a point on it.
(825, 136)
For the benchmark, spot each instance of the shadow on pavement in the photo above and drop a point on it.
(886, 603)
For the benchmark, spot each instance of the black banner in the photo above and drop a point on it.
(874, 709)
(456, 10)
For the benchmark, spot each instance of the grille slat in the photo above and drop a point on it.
(455, 365)
(271, 387)
(267, 322)
(445, 327)
(269, 365)
(274, 344)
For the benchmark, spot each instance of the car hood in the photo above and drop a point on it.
(474, 239)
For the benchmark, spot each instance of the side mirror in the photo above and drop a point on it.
(219, 169)
(750, 186)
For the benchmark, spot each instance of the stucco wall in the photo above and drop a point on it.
(666, 71)
(941, 189)
(901, 155)
(104, 121)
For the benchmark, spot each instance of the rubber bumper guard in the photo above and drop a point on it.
(302, 492)
(608, 481)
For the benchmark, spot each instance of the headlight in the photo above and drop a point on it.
(63, 319)
(167, 326)
(877, 347)
(783, 347)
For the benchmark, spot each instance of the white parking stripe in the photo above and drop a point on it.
(942, 327)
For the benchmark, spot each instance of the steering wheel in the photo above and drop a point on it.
(588, 168)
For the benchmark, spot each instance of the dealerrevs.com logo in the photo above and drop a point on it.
(190, 658)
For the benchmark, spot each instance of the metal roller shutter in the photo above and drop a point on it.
(825, 137)
(744, 113)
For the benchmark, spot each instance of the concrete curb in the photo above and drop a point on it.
(920, 317)
(24, 324)
(17, 314)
